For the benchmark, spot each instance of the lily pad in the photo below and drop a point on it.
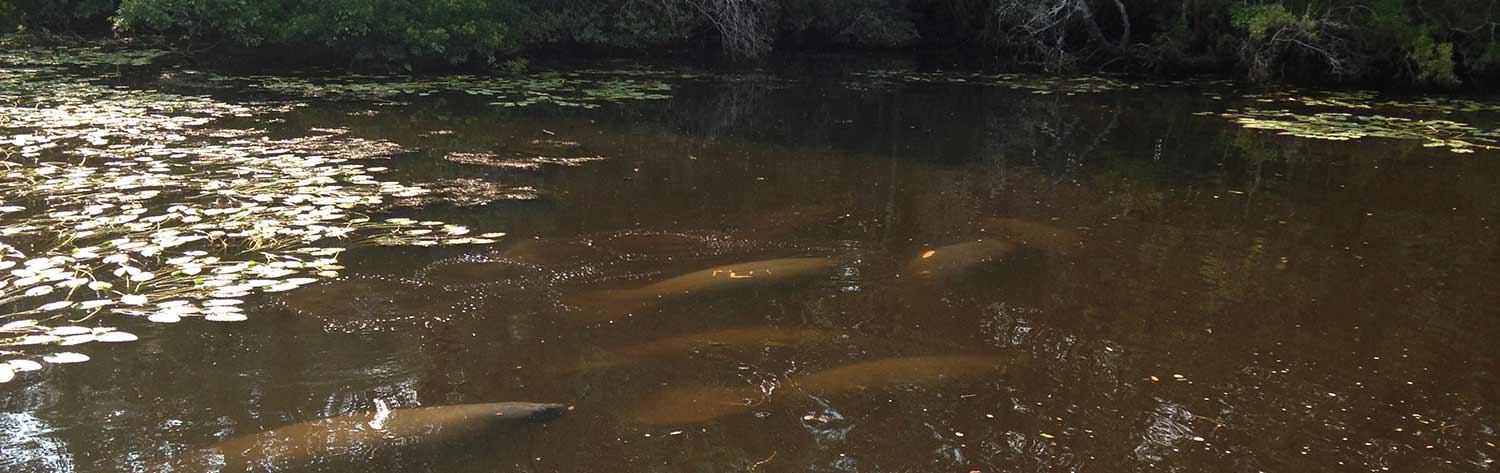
(116, 337)
(65, 357)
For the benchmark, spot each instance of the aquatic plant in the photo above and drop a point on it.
(534, 162)
(1037, 84)
(80, 56)
(583, 89)
(1370, 100)
(466, 192)
(122, 202)
(1337, 126)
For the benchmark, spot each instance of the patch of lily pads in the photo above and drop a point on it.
(120, 202)
(581, 89)
(466, 192)
(14, 52)
(1370, 100)
(1338, 126)
(1036, 84)
(512, 162)
(1436, 121)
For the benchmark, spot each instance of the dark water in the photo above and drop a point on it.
(1180, 294)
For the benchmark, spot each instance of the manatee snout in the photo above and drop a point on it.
(529, 411)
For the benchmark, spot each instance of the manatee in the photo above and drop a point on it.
(609, 304)
(367, 305)
(703, 403)
(658, 245)
(341, 438)
(478, 272)
(1036, 235)
(350, 299)
(955, 259)
(595, 248)
(790, 221)
(734, 339)
(551, 252)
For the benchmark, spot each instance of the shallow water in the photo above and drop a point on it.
(1178, 293)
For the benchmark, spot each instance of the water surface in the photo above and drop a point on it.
(1182, 293)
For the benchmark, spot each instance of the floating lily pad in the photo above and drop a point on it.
(22, 366)
(116, 337)
(225, 317)
(65, 357)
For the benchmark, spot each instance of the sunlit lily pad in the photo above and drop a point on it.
(164, 318)
(225, 317)
(116, 337)
(65, 357)
(22, 366)
(69, 331)
(76, 339)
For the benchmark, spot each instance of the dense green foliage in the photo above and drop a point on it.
(57, 14)
(1412, 42)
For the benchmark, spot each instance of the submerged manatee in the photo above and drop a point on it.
(656, 245)
(338, 438)
(659, 245)
(790, 221)
(734, 339)
(609, 304)
(478, 272)
(1036, 235)
(545, 252)
(698, 404)
(955, 259)
(367, 305)
(350, 299)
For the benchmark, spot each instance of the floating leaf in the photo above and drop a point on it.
(164, 318)
(22, 366)
(65, 357)
(17, 325)
(38, 339)
(225, 317)
(69, 331)
(116, 337)
(76, 340)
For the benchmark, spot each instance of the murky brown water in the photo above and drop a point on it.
(985, 280)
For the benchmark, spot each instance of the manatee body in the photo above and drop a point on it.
(790, 221)
(658, 245)
(478, 272)
(551, 252)
(738, 339)
(341, 438)
(612, 303)
(955, 259)
(734, 276)
(698, 404)
(1032, 234)
(351, 299)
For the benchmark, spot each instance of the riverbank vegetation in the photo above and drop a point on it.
(1440, 43)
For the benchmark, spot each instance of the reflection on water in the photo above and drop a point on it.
(29, 442)
(1186, 294)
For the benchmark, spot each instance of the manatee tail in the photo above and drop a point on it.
(686, 405)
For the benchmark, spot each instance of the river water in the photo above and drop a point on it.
(1146, 285)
